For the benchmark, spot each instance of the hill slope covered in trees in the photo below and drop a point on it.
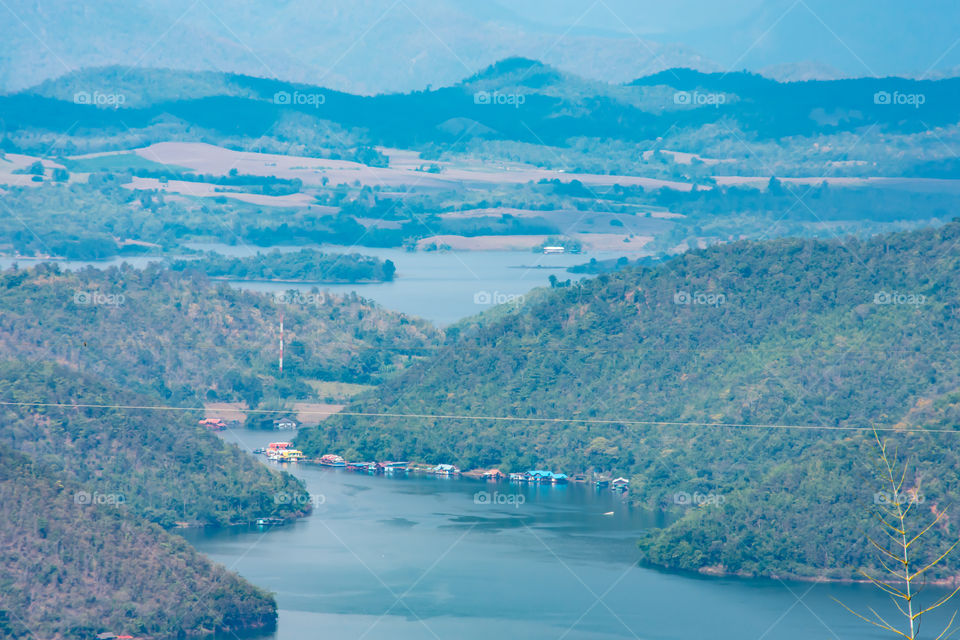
(656, 373)
(186, 339)
(73, 568)
(90, 360)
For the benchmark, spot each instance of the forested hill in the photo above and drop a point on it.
(188, 340)
(92, 357)
(556, 105)
(73, 568)
(167, 468)
(837, 335)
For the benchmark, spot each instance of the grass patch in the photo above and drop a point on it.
(116, 162)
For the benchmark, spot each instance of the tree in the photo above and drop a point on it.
(898, 555)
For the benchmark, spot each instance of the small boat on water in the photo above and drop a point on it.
(332, 460)
(269, 522)
(259, 450)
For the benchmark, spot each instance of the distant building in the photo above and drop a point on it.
(554, 249)
(213, 423)
(284, 424)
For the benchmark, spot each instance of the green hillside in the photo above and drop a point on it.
(72, 568)
(82, 352)
(837, 335)
(167, 467)
(186, 339)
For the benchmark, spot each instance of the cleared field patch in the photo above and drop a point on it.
(338, 390)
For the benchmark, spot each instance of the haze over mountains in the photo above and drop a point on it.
(375, 46)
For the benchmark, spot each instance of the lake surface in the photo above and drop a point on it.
(441, 286)
(417, 557)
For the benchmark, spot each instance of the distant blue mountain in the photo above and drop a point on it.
(377, 46)
(515, 99)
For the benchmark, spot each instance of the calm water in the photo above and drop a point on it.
(442, 287)
(421, 558)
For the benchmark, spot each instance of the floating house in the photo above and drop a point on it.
(620, 484)
(549, 477)
(363, 467)
(332, 460)
(391, 467)
(290, 455)
(446, 470)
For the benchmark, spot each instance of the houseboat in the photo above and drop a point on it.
(275, 449)
(290, 455)
(362, 467)
(332, 460)
(519, 477)
(620, 484)
(267, 522)
(446, 470)
(391, 467)
(546, 477)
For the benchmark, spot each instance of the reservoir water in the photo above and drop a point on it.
(418, 557)
(441, 286)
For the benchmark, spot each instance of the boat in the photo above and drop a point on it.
(332, 460)
(259, 450)
(519, 477)
(267, 522)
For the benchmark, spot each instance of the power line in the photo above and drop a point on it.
(478, 418)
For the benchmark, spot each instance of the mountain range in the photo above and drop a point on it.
(377, 46)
